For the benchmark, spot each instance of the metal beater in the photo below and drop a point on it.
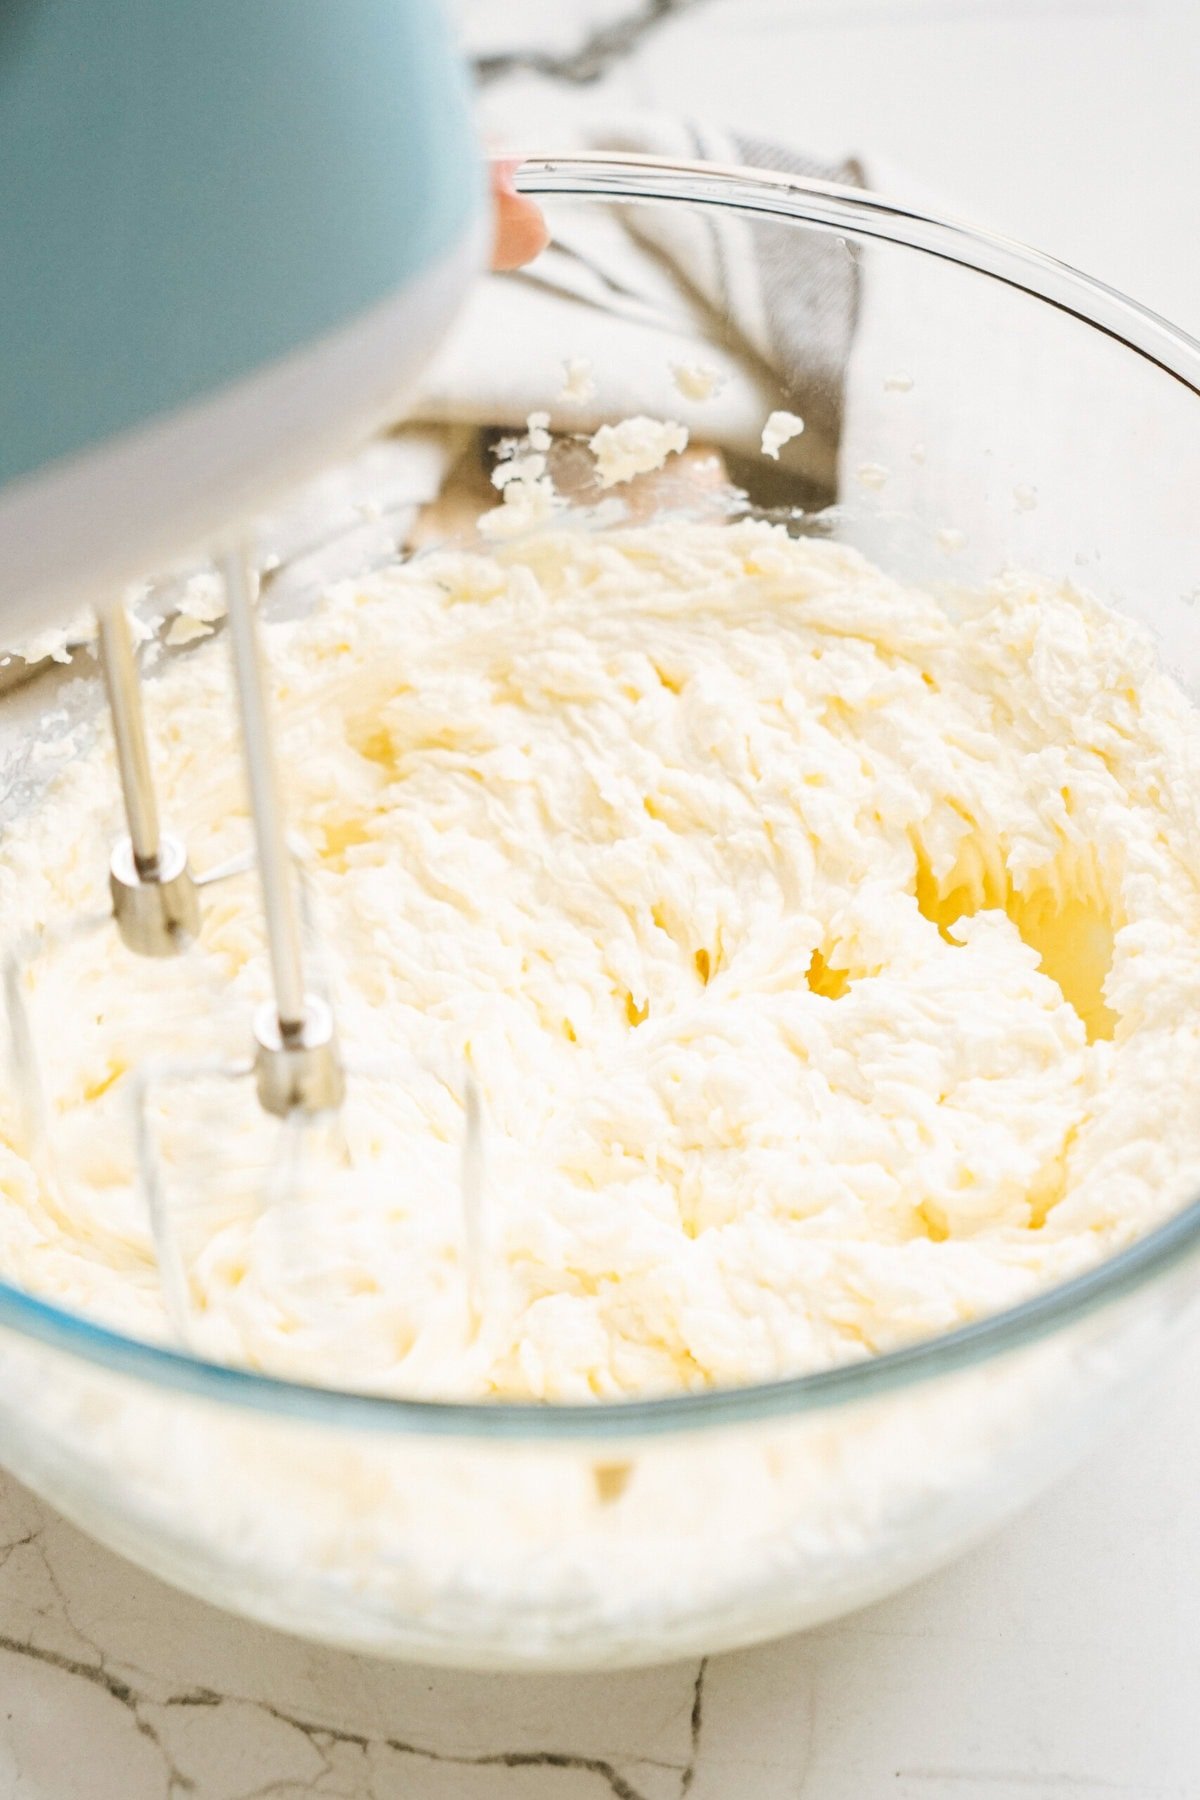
(293, 1058)
(156, 908)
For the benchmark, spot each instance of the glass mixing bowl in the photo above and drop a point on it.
(970, 404)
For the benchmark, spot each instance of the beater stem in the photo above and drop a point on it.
(296, 1063)
(262, 776)
(129, 732)
(154, 900)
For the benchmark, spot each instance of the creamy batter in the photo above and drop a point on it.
(828, 962)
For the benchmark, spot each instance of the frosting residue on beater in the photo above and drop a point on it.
(828, 966)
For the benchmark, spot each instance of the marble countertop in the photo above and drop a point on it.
(1060, 1660)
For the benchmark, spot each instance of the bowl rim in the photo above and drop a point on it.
(860, 214)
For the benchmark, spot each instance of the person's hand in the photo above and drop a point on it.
(520, 229)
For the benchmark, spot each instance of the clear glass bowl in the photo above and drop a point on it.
(971, 404)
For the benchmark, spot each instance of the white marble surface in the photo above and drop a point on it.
(1063, 1659)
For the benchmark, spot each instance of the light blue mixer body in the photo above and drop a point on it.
(197, 195)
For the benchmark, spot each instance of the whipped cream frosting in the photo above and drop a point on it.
(827, 958)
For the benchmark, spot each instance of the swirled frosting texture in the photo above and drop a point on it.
(827, 959)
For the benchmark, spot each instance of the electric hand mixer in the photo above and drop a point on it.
(231, 232)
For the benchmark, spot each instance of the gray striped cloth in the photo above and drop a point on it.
(786, 297)
(636, 289)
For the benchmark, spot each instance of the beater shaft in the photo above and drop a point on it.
(155, 905)
(129, 732)
(262, 778)
(296, 1060)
